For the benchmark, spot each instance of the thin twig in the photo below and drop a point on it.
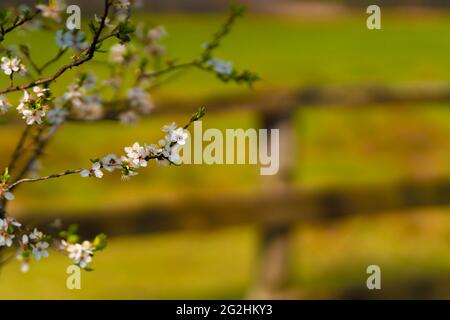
(19, 23)
(89, 55)
(170, 68)
(51, 61)
(51, 176)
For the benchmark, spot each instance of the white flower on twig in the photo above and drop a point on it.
(36, 234)
(110, 162)
(81, 254)
(11, 65)
(6, 239)
(40, 92)
(95, 171)
(6, 195)
(40, 250)
(136, 155)
(169, 128)
(179, 136)
(71, 39)
(220, 66)
(32, 110)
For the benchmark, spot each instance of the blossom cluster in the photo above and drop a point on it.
(81, 254)
(137, 156)
(31, 244)
(33, 107)
(71, 39)
(84, 100)
(35, 244)
(151, 37)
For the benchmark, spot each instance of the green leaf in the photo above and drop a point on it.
(5, 176)
(199, 114)
(100, 242)
(124, 30)
(73, 238)
(4, 16)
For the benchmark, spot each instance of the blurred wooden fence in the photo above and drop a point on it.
(275, 207)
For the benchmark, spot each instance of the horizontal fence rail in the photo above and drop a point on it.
(266, 207)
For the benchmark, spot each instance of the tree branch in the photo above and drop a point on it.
(89, 55)
(52, 176)
(18, 24)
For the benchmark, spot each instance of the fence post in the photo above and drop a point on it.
(272, 265)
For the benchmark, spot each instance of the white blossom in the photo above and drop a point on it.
(40, 250)
(74, 94)
(13, 222)
(117, 53)
(71, 39)
(40, 92)
(110, 162)
(220, 66)
(140, 100)
(169, 128)
(136, 155)
(11, 65)
(4, 105)
(172, 153)
(95, 171)
(53, 10)
(25, 239)
(156, 33)
(81, 254)
(36, 234)
(7, 195)
(179, 136)
(32, 111)
(89, 108)
(6, 239)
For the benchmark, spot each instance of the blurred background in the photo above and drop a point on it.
(365, 176)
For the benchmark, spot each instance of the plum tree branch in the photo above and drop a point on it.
(18, 23)
(89, 55)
